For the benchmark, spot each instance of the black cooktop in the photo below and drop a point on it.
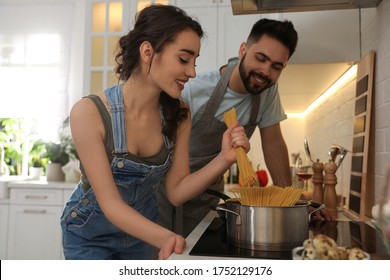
(213, 242)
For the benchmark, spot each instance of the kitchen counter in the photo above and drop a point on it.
(196, 234)
(346, 235)
(8, 182)
(194, 237)
(42, 183)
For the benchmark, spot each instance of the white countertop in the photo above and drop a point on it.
(194, 237)
(198, 231)
(42, 183)
(12, 182)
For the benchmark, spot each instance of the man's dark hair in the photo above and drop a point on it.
(283, 31)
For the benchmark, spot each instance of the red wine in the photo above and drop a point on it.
(304, 176)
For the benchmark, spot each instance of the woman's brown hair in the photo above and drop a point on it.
(158, 25)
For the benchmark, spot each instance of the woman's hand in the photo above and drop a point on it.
(234, 137)
(173, 244)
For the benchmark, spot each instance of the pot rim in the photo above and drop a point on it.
(300, 203)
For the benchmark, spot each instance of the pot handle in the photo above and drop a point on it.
(238, 219)
(317, 206)
(217, 194)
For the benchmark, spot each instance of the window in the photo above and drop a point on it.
(34, 65)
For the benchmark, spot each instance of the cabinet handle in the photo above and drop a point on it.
(36, 196)
(30, 211)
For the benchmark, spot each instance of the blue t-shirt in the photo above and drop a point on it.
(198, 91)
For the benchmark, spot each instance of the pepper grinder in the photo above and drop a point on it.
(318, 180)
(330, 196)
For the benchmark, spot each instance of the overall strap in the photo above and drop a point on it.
(116, 105)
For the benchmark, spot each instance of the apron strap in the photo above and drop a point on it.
(251, 126)
(217, 96)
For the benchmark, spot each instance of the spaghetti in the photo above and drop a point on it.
(247, 176)
(267, 196)
(250, 193)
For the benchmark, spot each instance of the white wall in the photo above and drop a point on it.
(76, 76)
(332, 123)
(375, 30)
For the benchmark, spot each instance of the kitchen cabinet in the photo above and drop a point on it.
(223, 32)
(324, 36)
(3, 228)
(206, 12)
(106, 22)
(34, 230)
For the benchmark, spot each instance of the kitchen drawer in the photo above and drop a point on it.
(36, 196)
(67, 194)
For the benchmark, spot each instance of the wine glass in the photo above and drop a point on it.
(305, 177)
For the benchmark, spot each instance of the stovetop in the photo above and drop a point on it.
(214, 242)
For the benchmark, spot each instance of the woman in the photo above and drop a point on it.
(132, 136)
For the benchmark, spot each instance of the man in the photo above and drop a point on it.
(248, 84)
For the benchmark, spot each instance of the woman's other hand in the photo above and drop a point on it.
(173, 244)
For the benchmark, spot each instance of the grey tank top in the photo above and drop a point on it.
(157, 159)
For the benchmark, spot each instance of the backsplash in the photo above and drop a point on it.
(332, 123)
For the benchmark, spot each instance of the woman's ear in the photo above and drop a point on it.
(146, 52)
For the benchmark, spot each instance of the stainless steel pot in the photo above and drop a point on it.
(267, 228)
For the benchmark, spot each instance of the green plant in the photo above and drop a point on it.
(67, 140)
(37, 154)
(56, 153)
(64, 150)
(12, 137)
(36, 161)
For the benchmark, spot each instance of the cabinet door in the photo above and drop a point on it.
(34, 232)
(184, 4)
(232, 31)
(3, 230)
(205, 12)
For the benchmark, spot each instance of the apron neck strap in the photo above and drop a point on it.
(217, 96)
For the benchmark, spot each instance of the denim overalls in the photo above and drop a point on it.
(87, 234)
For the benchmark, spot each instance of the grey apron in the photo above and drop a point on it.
(205, 144)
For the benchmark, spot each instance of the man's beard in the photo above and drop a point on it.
(246, 79)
